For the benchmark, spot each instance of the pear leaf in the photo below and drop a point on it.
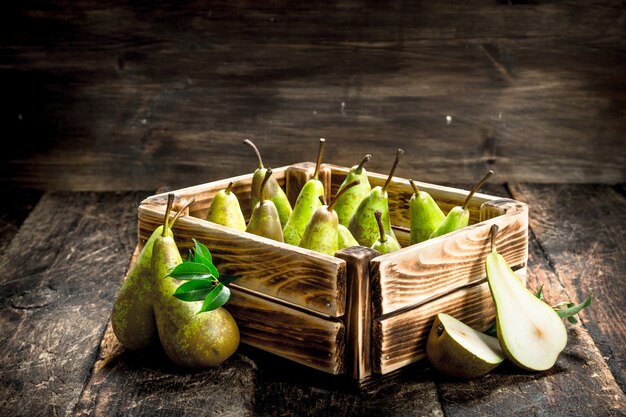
(228, 279)
(216, 298)
(187, 271)
(195, 290)
(206, 262)
(571, 309)
(539, 293)
(203, 251)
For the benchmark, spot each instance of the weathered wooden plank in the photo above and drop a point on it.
(400, 339)
(56, 296)
(17, 204)
(293, 334)
(580, 384)
(166, 97)
(582, 229)
(284, 389)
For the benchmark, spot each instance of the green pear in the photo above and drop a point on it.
(132, 317)
(225, 209)
(265, 220)
(189, 339)
(350, 201)
(458, 217)
(346, 239)
(363, 225)
(531, 333)
(322, 232)
(458, 350)
(308, 201)
(385, 243)
(273, 190)
(425, 215)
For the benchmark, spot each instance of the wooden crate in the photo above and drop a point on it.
(356, 313)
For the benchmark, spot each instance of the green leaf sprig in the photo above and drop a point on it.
(565, 310)
(203, 280)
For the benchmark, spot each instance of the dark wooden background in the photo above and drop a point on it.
(106, 95)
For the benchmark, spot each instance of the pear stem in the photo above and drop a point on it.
(340, 193)
(229, 189)
(493, 232)
(322, 200)
(364, 161)
(475, 188)
(320, 152)
(415, 189)
(256, 151)
(381, 229)
(266, 178)
(181, 211)
(399, 153)
(168, 210)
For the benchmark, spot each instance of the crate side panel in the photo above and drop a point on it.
(305, 278)
(430, 269)
(292, 334)
(400, 339)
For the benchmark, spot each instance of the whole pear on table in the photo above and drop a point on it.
(132, 318)
(189, 339)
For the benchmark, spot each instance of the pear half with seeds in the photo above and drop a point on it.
(458, 350)
(531, 333)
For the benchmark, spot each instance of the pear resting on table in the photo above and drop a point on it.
(189, 339)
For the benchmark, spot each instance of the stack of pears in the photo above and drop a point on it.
(145, 309)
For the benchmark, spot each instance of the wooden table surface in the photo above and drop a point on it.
(63, 255)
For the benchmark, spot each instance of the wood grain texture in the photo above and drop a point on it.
(113, 96)
(295, 275)
(305, 338)
(400, 339)
(582, 230)
(358, 318)
(579, 385)
(16, 208)
(435, 267)
(56, 295)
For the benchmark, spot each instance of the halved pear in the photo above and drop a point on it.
(531, 333)
(456, 349)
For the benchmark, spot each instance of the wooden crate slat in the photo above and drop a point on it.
(293, 334)
(430, 269)
(296, 275)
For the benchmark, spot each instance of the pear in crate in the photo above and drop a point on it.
(346, 240)
(225, 209)
(308, 201)
(458, 217)
(350, 201)
(385, 243)
(322, 232)
(265, 220)
(457, 349)
(273, 190)
(363, 225)
(425, 215)
(531, 333)
(190, 340)
(132, 317)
